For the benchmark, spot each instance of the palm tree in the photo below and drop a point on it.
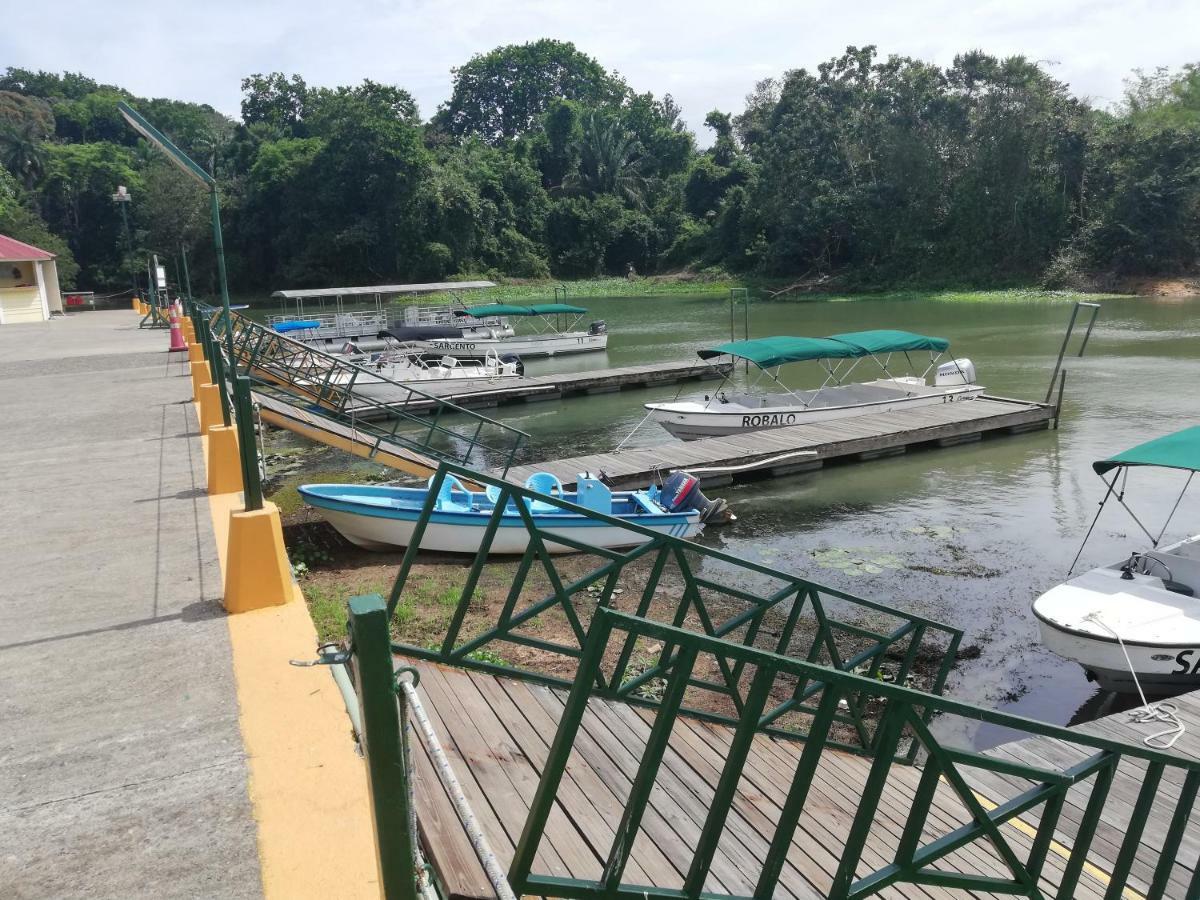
(21, 152)
(610, 160)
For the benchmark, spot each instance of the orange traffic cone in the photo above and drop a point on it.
(177, 341)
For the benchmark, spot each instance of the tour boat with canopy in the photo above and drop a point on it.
(380, 517)
(724, 413)
(552, 326)
(1134, 623)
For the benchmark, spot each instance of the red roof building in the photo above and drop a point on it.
(12, 250)
(28, 283)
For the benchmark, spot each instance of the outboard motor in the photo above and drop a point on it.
(681, 491)
(598, 327)
(957, 371)
(349, 349)
(513, 358)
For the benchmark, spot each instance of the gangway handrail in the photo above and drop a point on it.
(327, 384)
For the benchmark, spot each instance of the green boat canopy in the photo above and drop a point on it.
(1180, 450)
(774, 351)
(886, 341)
(505, 309)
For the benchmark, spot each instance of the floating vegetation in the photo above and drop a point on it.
(855, 562)
(940, 532)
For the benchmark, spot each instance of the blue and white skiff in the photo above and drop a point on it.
(380, 517)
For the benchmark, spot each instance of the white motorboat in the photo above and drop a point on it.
(1140, 616)
(408, 366)
(552, 332)
(723, 413)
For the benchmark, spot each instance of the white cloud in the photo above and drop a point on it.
(706, 54)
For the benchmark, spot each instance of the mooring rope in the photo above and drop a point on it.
(1149, 714)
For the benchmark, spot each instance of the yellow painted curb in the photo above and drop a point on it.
(257, 572)
(307, 786)
(200, 375)
(210, 407)
(224, 461)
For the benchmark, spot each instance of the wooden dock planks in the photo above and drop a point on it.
(497, 733)
(1049, 752)
(781, 451)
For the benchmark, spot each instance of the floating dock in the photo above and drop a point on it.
(372, 399)
(802, 448)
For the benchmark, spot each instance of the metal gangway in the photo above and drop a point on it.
(322, 397)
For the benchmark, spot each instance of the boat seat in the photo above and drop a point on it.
(445, 498)
(1178, 587)
(544, 483)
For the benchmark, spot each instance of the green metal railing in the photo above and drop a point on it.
(691, 587)
(904, 713)
(332, 387)
(236, 405)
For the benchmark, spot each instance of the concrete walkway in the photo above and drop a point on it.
(122, 769)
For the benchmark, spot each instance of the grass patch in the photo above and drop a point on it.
(288, 499)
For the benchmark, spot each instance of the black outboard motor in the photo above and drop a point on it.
(598, 327)
(681, 491)
(513, 358)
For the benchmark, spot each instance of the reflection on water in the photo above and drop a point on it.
(979, 530)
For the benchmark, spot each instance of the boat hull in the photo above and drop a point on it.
(379, 517)
(691, 425)
(524, 347)
(1162, 671)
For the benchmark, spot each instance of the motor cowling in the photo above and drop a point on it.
(598, 327)
(681, 492)
(957, 371)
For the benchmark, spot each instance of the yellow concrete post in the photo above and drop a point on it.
(135, 304)
(257, 572)
(195, 352)
(201, 374)
(209, 399)
(189, 330)
(224, 463)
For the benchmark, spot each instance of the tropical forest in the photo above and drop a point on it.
(870, 171)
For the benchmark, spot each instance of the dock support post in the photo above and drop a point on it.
(257, 573)
(201, 375)
(386, 756)
(224, 460)
(210, 407)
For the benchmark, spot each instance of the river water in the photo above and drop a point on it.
(978, 530)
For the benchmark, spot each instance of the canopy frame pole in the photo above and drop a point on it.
(1111, 486)
(1121, 499)
(1178, 500)
(775, 377)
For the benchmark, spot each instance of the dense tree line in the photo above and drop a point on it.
(543, 163)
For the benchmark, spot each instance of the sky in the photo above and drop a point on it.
(706, 54)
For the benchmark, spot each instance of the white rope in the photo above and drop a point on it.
(751, 465)
(1149, 714)
(483, 850)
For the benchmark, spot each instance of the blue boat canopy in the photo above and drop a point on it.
(506, 309)
(1180, 450)
(302, 325)
(774, 351)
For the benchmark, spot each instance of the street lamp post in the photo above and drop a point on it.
(122, 198)
(241, 387)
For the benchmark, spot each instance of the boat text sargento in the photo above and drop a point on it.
(839, 355)
(552, 326)
(1134, 625)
